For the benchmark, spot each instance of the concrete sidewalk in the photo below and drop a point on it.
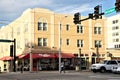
(55, 71)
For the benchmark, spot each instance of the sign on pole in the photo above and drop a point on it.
(108, 11)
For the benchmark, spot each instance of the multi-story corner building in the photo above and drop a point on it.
(113, 36)
(37, 32)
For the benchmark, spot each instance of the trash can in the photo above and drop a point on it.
(77, 68)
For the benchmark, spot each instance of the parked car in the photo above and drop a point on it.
(103, 67)
(116, 69)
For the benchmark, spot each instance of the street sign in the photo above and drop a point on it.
(108, 11)
(4, 40)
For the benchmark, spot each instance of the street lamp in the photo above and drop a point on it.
(79, 56)
(60, 42)
(97, 51)
(31, 59)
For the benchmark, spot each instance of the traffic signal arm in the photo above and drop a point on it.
(84, 19)
(96, 15)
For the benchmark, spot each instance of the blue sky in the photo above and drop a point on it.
(12, 9)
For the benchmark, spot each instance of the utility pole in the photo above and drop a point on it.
(59, 42)
(14, 69)
(80, 58)
(97, 51)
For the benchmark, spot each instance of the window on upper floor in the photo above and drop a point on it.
(80, 29)
(115, 34)
(98, 43)
(42, 41)
(116, 40)
(42, 24)
(18, 31)
(26, 42)
(80, 43)
(67, 27)
(26, 27)
(67, 41)
(115, 27)
(97, 30)
(39, 26)
(18, 44)
(115, 21)
(1, 48)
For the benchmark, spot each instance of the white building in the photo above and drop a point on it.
(113, 35)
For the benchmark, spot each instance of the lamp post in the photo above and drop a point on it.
(79, 56)
(97, 51)
(60, 25)
(31, 60)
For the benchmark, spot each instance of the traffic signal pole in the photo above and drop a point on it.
(14, 60)
(14, 55)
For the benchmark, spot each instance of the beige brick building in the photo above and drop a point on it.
(40, 28)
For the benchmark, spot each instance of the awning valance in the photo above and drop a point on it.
(37, 55)
(6, 58)
(46, 55)
(66, 55)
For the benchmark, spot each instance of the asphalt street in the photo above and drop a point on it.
(55, 75)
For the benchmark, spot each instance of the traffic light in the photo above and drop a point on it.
(11, 50)
(117, 6)
(91, 15)
(76, 18)
(96, 12)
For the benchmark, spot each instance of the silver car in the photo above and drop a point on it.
(116, 69)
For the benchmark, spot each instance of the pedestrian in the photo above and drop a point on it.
(62, 67)
(21, 68)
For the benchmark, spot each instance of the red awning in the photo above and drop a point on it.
(46, 55)
(37, 55)
(6, 58)
(66, 55)
(25, 56)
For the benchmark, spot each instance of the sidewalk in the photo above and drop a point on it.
(55, 71)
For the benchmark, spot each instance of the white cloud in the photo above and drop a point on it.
(75, 8)
(12, 9)
(15, 5)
